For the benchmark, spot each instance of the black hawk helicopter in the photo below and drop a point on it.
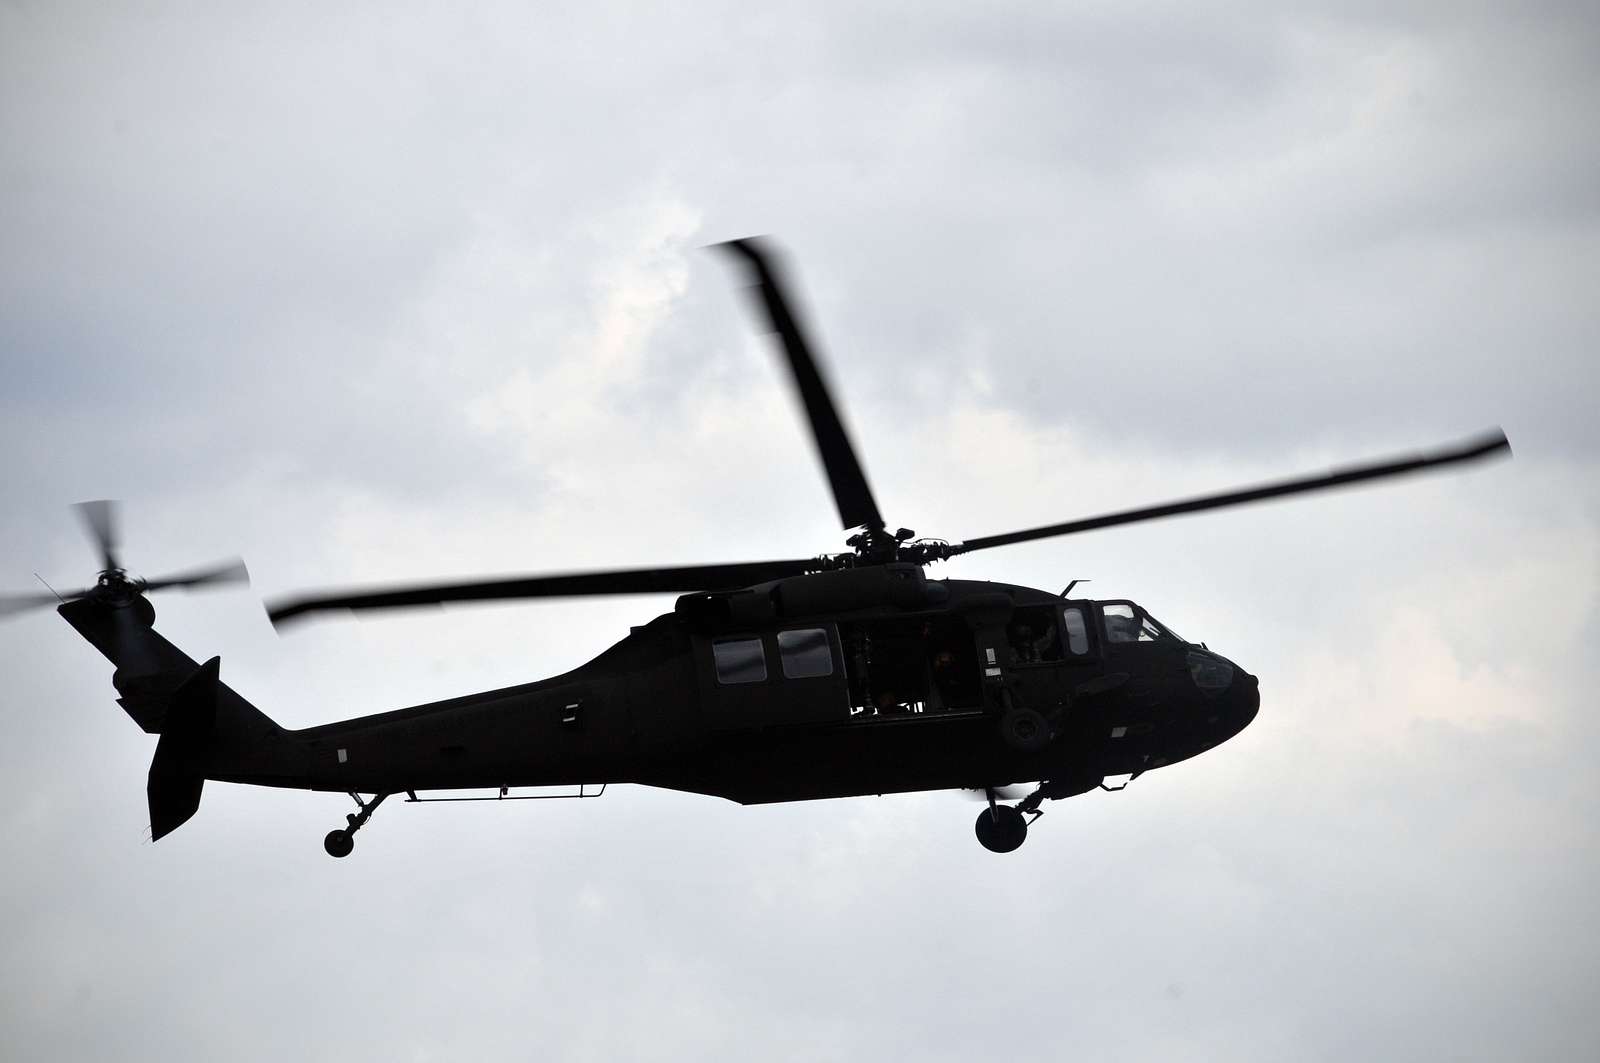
(841, 675)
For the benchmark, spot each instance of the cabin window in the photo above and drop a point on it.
(1077, 631)
(805, 653)
(739, 661)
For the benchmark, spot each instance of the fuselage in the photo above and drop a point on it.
(782, 693)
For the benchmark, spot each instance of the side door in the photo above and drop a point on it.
(790, 676)
(1049, 651)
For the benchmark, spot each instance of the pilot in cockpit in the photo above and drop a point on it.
(1122, 628)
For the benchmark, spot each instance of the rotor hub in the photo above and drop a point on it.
(115, 587)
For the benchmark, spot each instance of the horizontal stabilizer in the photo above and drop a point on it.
(177, 774)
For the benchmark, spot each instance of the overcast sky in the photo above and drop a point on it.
(380, 293)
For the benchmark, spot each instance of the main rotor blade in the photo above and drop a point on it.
(100, 516)
(226, 572)
(572, 584)
(850, 491)
(1483, 446)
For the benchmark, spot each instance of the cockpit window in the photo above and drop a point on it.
(1126, 622)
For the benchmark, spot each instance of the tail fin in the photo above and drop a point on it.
(207, 730)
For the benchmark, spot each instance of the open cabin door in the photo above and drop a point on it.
(911, 665)
(793, 675)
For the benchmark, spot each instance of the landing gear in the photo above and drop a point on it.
(1001, 829)
(340, 843)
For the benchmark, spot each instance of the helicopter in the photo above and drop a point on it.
(845, 674)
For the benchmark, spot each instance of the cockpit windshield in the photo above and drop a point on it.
(1126, 622)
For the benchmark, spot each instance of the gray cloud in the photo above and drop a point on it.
(368, 295)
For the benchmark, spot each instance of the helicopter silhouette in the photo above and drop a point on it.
(845, 674)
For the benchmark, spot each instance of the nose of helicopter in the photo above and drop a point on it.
(1244, 699)
(1232, 694)
(1248, 695)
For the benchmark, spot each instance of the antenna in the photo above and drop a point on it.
(49, 588)
(1073, 584)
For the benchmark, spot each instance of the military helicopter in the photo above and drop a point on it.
(845, 674)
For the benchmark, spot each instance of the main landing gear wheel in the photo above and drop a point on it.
(1001, 829)
(1025, 730)
(339, 843)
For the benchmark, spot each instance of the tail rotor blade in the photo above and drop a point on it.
(12, 604)
(226, 572)
(100, 517)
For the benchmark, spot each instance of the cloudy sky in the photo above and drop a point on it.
(380, 293)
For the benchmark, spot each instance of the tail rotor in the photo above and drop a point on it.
(114, 586)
